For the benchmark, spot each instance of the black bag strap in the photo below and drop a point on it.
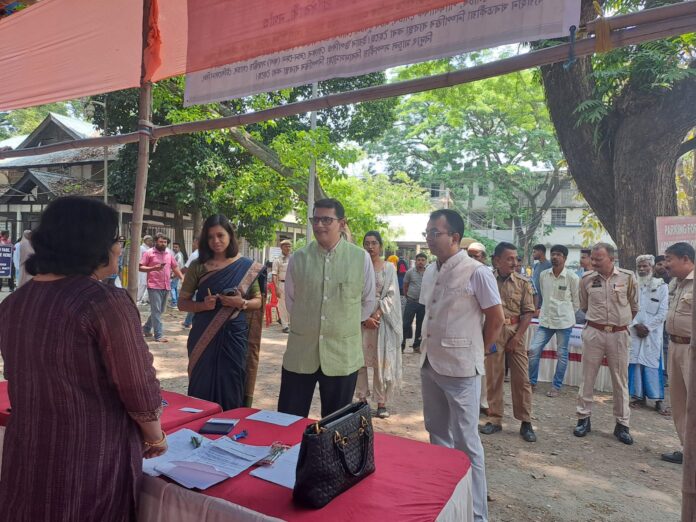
(339, 444)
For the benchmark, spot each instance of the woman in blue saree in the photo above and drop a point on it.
(226, 287)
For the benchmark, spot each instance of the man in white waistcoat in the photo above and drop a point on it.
(463, 317)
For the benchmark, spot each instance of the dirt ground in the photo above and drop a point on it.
(560, 478)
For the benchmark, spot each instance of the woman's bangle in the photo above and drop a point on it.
(158, 443)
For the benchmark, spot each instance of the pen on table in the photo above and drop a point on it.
(240, 435)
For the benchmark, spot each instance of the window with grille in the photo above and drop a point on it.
(558, 217)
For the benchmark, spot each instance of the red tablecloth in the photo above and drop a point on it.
(4, 404)
(172, 416)
(413, 480)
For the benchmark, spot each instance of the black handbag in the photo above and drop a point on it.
(336, 453)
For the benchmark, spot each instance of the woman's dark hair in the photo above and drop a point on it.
(204, 252)
(374, 234)
(75, 236)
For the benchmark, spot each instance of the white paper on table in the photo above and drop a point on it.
(229, 457)
(282, 472)
(274, 417)
(179, 447)
(233, 422)
(190, 410)
(192, 475)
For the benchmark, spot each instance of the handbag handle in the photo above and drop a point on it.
(339, 444)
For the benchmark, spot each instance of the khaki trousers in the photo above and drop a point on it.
(519, 380)
(596, 344)
(282, 308)
(678, 371)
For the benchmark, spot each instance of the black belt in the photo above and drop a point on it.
(282, 280)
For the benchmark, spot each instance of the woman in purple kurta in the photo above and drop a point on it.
(85, 400)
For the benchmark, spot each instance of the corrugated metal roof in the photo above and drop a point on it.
(84, 128)
(62, 185)
(64, 157)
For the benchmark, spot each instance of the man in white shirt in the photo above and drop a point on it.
(146, 245)
(463, 317)
(280, 268)
(559, 288)
(188, 320)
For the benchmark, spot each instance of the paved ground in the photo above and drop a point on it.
(558, 479)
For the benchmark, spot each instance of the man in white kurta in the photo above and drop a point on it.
(645, 375)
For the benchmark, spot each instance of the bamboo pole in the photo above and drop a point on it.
(628, 32)
(143, 134)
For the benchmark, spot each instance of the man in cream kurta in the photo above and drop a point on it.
(329, 291)
(463, 317)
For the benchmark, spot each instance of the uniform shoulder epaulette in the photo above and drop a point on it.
(586, 274)
(523, 277)
(627, 272)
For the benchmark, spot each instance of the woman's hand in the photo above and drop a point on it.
(208, 303)
(155, 448)
(371, 323)
(232, 301)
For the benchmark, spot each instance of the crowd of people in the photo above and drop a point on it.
(346, 309)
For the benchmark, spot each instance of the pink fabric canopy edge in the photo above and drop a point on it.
(65, 49)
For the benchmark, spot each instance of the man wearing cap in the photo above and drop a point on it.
(680, 263)
(477, 251)
(609, 297)
(645, 379)
(280, 267)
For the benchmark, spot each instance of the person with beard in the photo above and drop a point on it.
(158, 263)
(645, 362)
(560, 288)
(660, 269)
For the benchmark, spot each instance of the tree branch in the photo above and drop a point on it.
(687, 146)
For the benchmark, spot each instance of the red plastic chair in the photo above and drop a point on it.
(273, 303)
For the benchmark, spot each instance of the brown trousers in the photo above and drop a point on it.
(255, 321)
(678, 369)
(519, 379)
(597, 344)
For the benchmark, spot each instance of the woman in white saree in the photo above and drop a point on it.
(382, 332)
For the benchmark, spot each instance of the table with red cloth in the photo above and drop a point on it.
(172, 416)
(412, 481)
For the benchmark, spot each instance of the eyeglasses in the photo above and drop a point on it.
(324, 220)
(435, 234)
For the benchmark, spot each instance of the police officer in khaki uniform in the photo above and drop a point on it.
(517, 297)
(680, 264)
(609, 298)
(280, 267)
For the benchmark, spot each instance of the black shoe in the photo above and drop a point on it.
(676, 457)
(621, 433)
(416, 349)
(286, 330)
(403, 348)
(527, 432)
(583, 428)
(490, 428)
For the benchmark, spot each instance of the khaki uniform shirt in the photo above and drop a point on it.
(680, 303)
(516, 294)
(609, 301)
(280, 267)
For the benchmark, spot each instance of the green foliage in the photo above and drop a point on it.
(24, 121)
(368, 197)
(494, 134)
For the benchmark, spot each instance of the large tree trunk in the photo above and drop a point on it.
(179, 230)
(624, 166)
